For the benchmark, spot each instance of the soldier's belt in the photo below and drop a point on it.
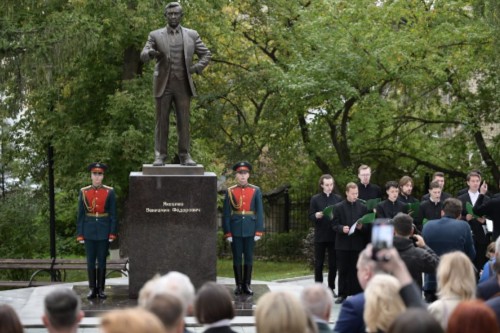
(97, 214)
(243, 212)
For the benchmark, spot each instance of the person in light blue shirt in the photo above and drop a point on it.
(488, 270)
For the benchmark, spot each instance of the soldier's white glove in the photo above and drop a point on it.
(81, 242)
(111, 240)
(229, 239)
(256, 238)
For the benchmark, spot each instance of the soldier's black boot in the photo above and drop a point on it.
(92, 284)
(238, 279)
(247, 278)
(101, 279)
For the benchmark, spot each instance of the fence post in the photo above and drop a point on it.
(287, 210)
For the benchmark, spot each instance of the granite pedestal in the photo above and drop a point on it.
(170, 225)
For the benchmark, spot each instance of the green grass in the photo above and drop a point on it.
(266, 270)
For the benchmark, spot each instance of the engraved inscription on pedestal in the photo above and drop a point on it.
(170, 225)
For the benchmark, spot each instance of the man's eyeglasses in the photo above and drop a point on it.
(97, 173)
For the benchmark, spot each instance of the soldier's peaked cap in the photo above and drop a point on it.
(242, 166)
(97, 167)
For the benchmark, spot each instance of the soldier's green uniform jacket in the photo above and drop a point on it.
(243, 212)
(96, 213)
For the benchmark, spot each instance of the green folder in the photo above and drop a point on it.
(468, 208)
(411, 208)
(367, 218)
(328, 212)
(371, 203)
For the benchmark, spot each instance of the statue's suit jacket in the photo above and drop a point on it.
(158, 41)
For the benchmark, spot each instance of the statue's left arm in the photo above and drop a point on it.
(203, 54)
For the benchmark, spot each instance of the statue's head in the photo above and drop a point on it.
(173, 14)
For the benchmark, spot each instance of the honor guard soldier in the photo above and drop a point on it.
(96, 227)
(243, 225)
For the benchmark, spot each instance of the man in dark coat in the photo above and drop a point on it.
(367, 190)
(349, 244)
(477, 224)
(405, 190)
(391, 206)
(243, 224)
(489, 208)
(418, 257)
(445, 235)
(173, 47)
(439, 178)
(96, 227)
(431, 208)
(324, 236)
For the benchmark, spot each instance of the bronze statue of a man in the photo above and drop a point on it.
(173, 48)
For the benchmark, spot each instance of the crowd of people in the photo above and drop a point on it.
(439, 273)
(445, 242)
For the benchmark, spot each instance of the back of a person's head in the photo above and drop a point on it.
(415, 320)
(456, 276)
(180, 285)
(472, 316)
(168, 308)
(281, 311)
(134, 320)
(403, 224)
(452, 207)
(148, 290)
(382, 302)
(9, 321)
(317, 299)
(366, 267)
(62, 308)
(213, 303)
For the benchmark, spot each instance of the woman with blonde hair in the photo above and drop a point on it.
(281, 311)
(135, 320)
(383, 303)
(456, 282)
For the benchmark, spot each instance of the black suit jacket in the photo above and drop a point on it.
(323, 231)
(158, 41)
(476, 226)
(389, 209)
(490, 209)
(346, 214)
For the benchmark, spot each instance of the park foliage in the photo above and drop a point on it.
(297, 87)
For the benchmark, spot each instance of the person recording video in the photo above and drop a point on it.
(418, 257)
